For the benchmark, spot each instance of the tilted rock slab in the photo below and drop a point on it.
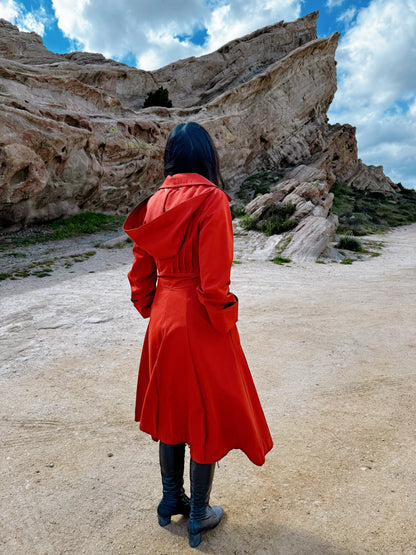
(311, 237)
(372, 179)
(74, 135)
(307, 187)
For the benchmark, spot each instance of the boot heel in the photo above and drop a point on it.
(163, 520)
(195, 539)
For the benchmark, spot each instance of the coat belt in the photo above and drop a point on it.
(178, 280)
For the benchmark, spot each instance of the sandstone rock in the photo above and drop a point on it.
(74, 135)
(324, 207)
(303, 208)
(341, 152)
(16, 45)
(308, 185)
(258, 206)
(306, 188)
(340, 162)
(306, 173)
(313, 190)
(310, 238)
(330, 253)
(266, 251)
(372, 178)
(91, 146)
(285, 187)
(22, 173)
(253, 245)
(197, 81)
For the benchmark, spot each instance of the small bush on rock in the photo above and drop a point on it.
(160, 97)
(259, 184)
(275, 219)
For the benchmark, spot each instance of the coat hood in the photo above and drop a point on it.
(164, 236)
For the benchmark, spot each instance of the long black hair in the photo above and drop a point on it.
(190, 150)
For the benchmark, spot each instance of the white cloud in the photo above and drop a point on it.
(69, 21)
(149, 30)
(377, 84)
(237, 18)
(9, 10)
(160, 43)
(379, 52)
(28, 21)
(333, 3)
(347, 16)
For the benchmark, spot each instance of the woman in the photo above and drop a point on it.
(194, 384)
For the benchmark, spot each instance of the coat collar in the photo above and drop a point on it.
(184, 180)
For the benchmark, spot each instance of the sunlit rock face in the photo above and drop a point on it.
(75, 136)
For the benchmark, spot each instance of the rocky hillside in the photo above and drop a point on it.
(74, 133)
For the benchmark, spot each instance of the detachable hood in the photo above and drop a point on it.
(163, 236)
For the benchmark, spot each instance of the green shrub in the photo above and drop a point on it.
(274, 226)
(159, 97)
(258, 184)
(72, 226)
(361, 212)
(281, 260)
(85, 223)
(237, 210)
(350, 243)
(275, 219)
(16, 254)
(249, 222)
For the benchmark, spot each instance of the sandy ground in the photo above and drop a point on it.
(332, 352)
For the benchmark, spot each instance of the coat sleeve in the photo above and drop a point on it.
(215, 260)
(142, 277)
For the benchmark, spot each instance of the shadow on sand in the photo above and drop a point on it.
(264, 538)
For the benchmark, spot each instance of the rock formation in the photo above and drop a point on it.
(75, 135)
(372, 178)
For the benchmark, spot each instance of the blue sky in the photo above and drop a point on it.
(376, 54)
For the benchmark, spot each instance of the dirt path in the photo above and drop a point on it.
(332, 351)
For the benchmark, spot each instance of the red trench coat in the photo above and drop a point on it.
(194, 383)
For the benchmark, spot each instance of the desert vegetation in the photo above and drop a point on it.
(258, 184)
(159, 97)
(29, 253)
(362, 212)
(63, 228)
(275, 220)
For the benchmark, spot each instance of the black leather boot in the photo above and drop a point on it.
(202, 516)
(174, 501)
